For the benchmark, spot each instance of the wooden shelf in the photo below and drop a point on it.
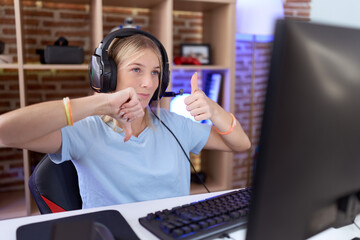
(46, 66)
(69, 1)
(56, 66)
(9, 66)
(133, 3)
(199, 67)
(200, 5)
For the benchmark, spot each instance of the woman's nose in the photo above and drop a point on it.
(147, 81)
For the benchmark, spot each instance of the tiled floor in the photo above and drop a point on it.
(12, 204)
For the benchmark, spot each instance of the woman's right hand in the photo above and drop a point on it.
(125, 107)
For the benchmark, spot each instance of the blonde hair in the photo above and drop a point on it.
(121, 49)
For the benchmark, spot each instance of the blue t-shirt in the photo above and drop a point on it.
(150, 166)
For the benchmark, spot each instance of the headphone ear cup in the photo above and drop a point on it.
(113, 80)
(95, 73)
(166, 80)
(109, 76)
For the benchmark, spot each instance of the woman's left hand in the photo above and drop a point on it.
(198, 104)
(125, 107)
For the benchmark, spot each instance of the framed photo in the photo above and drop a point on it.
(199, 51)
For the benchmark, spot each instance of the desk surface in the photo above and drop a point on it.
(133, 211)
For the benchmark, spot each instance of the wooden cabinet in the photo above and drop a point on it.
(218, 30)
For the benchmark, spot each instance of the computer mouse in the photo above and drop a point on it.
(101, 232)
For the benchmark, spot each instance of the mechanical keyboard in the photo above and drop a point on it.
(204, 219)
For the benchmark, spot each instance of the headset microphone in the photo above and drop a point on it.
(173, 94)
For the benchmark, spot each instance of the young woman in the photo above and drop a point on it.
(122, 151)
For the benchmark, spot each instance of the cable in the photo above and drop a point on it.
(226, 235)
(192, 166)
(356, 222)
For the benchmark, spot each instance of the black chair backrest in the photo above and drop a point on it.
(55, 187)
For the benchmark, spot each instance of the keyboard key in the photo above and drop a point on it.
(150, 216)
(194, 227)
(218, 219)
(186, 229)
(234, 214)
(177, 232)
(167, 227)
(225, 217)
(211, 222)
(203, 224)
(242, 213)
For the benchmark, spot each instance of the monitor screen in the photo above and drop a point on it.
(211, 87)
(307, 176)
(178, 106)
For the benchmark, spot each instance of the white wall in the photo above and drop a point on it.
(258, 16)
(336, 12)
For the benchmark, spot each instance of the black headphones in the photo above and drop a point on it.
(103, 70)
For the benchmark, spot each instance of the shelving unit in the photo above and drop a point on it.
(218, 30)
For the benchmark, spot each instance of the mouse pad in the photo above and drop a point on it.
(112, 219)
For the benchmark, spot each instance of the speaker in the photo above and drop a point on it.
(103, 70)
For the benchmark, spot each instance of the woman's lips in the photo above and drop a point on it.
(143, 96)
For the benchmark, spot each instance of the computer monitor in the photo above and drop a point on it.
(307, 176)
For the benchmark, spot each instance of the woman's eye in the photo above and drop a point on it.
(136, 69)
(156, 73)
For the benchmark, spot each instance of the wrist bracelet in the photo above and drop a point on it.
(233, 124)
(68, 111)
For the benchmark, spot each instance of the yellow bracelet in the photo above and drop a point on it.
(68, 111)
(232, 126)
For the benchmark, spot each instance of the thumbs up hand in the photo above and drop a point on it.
(198, 104)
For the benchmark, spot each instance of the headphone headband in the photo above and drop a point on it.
(103, 70)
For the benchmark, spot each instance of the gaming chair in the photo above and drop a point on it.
(54, 187)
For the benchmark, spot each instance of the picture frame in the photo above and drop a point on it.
(199, 51)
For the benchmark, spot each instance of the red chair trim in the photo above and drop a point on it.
(53, 207)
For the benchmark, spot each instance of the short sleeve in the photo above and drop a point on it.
(64, 155)
(201, 130)
(77, 139)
